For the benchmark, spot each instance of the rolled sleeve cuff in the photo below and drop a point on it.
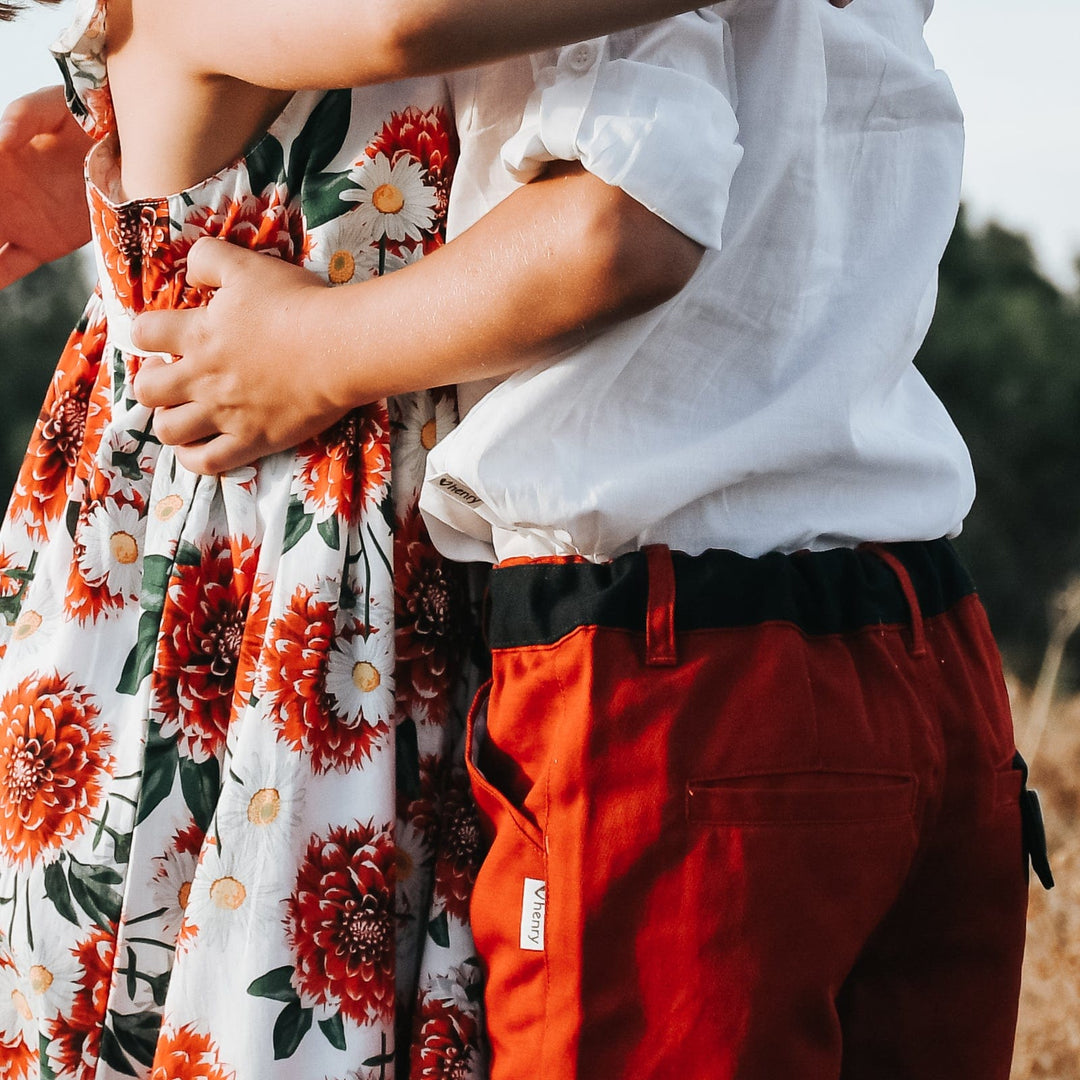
(666, 138)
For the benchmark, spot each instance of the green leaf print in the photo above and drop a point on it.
(10, 606)
(321, 199)
(439, 930)
(44, 1068)
(187, 554)
(297, 523)
(91, 887)
(320, 139)
(200, 782)
(265, 163)
(334, 1030)
(56, 889)
(140, 661)
(330, 531)
(160, 762)
(155, 580)
(292, 1025)
(276, 985)
(113, 1055)
(137, 1033)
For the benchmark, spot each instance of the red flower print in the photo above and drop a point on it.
(460, 847)
(448, 1041)
(300, 642)
(99, 108)
(41, 491)
(202, 628)
(134, 239)
(76, 1039)
(53, 759)
(146, 259)
(341, 925)
(17, 1060)
(106, 570)
(346, 469)
(188, 1054)
(430, 605)
(427, 137)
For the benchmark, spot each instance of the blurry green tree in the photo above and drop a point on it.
(1004, 355)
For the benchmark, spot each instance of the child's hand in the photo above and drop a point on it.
(42, 202)
(247, 382)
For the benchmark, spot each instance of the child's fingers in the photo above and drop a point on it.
(159, 385)
(166, 332)
(184, 424)
(216, 456)
(210, 261)
(42, 112)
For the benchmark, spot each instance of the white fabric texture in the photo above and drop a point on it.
(773, 404)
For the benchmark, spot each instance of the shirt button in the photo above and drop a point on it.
(581, 57)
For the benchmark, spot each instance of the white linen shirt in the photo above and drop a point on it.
(772, 404)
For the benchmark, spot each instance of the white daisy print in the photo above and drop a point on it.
(112, 539)
(260, 804)
(393, 199)
(406, 256)
(228, 896)
(424, 419)
(170, 888)
(360, 677)
(17, 1022)
(346, 250)
(33, 632)
(54, 973)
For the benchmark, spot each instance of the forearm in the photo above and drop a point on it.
(428, 36)
(560, 258)
(298, 44)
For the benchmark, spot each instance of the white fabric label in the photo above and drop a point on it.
(533, 908)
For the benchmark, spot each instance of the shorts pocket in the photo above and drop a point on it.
(497, 810)
(508, 913)
(801, 798)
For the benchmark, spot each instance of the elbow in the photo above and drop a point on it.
(409, 44)
(646, 260)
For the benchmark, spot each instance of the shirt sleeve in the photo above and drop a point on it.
(651, 111)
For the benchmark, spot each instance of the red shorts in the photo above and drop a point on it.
(751, 818)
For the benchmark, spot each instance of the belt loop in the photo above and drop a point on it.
(660, 614)
(918, 631)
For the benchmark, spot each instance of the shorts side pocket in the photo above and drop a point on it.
(508, 913)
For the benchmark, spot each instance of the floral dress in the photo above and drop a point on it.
(235, 839)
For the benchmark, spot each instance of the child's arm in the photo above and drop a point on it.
(562, 256)
(314, 44)
(42, 203)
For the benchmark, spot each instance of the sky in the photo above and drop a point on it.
(1013, 66)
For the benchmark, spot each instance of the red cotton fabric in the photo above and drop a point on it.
(790, 850)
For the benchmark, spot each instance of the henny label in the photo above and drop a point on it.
(533, 907)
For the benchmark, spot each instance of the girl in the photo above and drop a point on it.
(234, 840)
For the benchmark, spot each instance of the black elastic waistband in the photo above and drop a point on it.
(822, 592)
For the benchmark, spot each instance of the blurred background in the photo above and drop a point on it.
(1003, 354)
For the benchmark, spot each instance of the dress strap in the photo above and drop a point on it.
(80, 52)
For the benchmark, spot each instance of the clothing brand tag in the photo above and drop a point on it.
(456, 489)
(533, 907)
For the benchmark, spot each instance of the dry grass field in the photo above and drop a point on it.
(1048, 1038)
